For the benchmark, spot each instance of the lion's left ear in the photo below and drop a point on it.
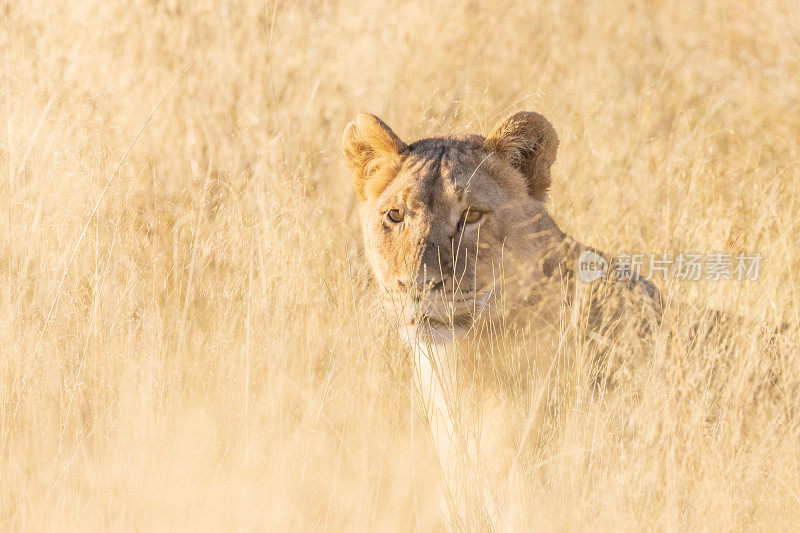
(528, 142)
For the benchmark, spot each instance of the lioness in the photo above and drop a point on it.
(458, 236)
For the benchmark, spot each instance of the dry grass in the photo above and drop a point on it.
(208, 357)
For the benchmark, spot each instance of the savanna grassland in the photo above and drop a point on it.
(188, 338)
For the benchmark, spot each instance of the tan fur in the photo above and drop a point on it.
(440, 277)
(506, 176)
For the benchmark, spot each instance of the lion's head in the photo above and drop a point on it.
(444, 218)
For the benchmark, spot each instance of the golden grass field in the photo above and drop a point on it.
(201, 351)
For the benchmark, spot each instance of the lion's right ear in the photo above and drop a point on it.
(370, 146)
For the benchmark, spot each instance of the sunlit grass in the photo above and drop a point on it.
(213, 357)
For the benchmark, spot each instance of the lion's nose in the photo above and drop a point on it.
(420, 285)
(432, 285)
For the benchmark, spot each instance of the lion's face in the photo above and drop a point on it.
(441, 217)
(433, 236)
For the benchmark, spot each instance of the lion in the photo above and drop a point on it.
(458, 237)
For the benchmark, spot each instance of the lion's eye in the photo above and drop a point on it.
(471, 216)
(395, 215)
